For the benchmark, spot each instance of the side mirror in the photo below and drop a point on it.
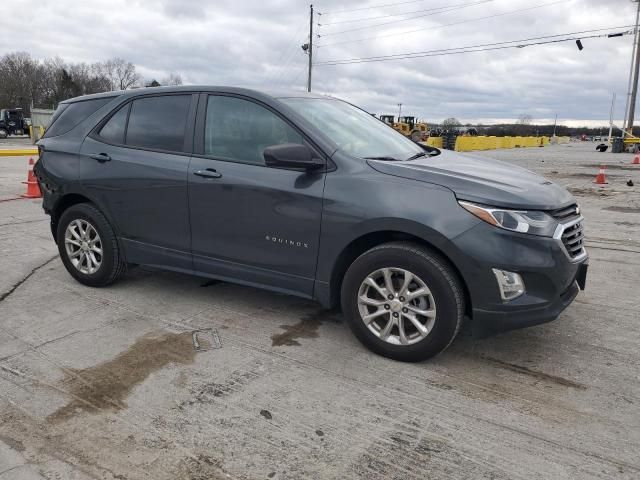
(292, 155)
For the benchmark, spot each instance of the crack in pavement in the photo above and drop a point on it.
(17, 285)
(23, 222)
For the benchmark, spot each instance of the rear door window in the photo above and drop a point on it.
(73, 114)
(113, 130)
(158, 123)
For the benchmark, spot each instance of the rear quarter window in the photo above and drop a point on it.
(72, 114)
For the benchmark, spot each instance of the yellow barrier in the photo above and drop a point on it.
(434, 142)
(23, 152)
(466, 144)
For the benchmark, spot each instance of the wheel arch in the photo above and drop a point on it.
(369, 240)
(71, 198)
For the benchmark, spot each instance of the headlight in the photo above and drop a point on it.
(534, 222)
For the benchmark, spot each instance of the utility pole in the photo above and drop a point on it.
(399, 111)
(310, 52)
(613, 101)
(555, 122)
(635, 66)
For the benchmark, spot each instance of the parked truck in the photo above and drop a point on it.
(12, 122)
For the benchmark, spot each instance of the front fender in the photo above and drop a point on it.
(379, 203)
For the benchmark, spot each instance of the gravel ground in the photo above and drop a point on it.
(105, 383)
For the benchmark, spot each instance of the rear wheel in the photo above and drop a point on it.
(403, 301)
(88, 246)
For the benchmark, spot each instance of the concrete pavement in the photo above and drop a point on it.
(105, 383)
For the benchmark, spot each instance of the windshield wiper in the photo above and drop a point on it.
(389, 159)
(417, 155)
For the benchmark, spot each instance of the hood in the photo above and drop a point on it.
(481, 180)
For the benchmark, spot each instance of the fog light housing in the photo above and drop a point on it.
(510, 284)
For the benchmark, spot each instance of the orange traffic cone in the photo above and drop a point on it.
(33, 189)
(600, 178)
(636, 159)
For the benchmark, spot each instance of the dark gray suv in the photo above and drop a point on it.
(311, 196)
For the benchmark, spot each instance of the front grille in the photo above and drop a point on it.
(573, 239)
(572, 235)
(566, 213)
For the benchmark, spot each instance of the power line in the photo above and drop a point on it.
(392, 15)
(483, 47)
(369, 8)
(406, 32)
(431, 13)
(287, 53)
(491, 44)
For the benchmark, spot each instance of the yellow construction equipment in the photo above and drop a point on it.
(408, 126)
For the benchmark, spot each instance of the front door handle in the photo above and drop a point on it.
(208, 173)
(101, 157)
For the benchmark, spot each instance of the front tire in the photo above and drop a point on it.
(88, 246)
(403, 301)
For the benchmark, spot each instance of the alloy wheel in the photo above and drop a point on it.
(83, 246)
(396, 306)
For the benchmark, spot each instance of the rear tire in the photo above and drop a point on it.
(434, 291)
(88, 246)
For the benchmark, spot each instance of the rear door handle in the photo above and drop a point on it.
(208, 173)
(101, 157)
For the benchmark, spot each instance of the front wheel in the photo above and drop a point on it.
(88, 246)
(403, 301)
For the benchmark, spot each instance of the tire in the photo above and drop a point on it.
(111, 262)
(3, 133)
(443, 309)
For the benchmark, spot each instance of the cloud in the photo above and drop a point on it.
(257, 44)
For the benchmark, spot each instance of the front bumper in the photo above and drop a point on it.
(487, 322)
(552, 279)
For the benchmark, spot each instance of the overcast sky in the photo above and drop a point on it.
(257, 44)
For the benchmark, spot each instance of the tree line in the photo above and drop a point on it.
(525, 127)
(26, 81)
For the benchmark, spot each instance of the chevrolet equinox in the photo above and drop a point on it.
(310, 196)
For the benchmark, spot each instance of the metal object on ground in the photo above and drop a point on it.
(206, 339)
(617, 145)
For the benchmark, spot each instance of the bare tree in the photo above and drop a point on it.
(120, 73)
(25, 81)
(20, 79)
(172, 80)
(450, 123)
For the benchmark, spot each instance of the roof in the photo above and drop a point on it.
(198, 88)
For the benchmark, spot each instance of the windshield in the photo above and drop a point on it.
(353, 130)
